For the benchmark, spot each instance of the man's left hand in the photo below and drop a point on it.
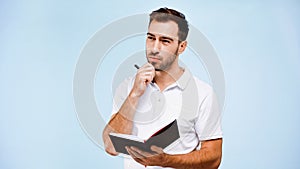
(146, 158)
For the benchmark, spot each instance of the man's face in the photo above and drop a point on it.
(162, 44)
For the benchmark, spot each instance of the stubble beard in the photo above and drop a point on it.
(165, 64)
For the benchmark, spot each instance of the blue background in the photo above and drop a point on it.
(258, 44)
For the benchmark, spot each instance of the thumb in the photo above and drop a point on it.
(156, 149)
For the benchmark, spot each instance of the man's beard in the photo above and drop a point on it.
(166, 63)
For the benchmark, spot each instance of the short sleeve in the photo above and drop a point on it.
(208, 124)
(120, 95)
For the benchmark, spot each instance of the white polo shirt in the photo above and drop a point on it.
(192, 102)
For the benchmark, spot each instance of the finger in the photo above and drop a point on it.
(112, 152)
(133, 153)
(146, 71)
(141, 153)
(147, 66)
(109, 148)
(156, 149)
(146, 78)
(141, 74)
(149, 78)
(134, 156)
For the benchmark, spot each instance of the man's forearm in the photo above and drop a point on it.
(122, 121)
(205, 158)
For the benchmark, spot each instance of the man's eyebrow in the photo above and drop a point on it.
(168, 38)
(162, 37)
(150, 34)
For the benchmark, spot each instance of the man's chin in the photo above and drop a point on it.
(156, 66)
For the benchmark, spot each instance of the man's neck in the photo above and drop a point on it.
(167, 77)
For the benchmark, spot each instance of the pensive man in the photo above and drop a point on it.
(162, 91)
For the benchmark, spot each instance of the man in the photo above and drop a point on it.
(162, 91)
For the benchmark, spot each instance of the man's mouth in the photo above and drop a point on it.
(155, 59)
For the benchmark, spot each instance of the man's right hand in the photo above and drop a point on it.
(143, 77)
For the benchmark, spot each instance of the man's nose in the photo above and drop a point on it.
(156, 46)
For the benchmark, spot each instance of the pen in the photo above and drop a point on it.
(136, 66)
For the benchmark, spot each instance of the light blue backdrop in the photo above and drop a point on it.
(258, 44)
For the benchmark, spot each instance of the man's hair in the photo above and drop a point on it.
(167, 14)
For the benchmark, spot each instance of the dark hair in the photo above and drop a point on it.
(166, 14)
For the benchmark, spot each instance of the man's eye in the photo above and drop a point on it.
(166, 41)
(150, 37)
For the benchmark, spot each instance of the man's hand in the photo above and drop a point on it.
(143, 77)
(148, 159)
(208, 157)
(109, 148)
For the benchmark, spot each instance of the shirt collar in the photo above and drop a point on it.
(183, 81)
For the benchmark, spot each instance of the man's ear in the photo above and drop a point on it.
(182, 46)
